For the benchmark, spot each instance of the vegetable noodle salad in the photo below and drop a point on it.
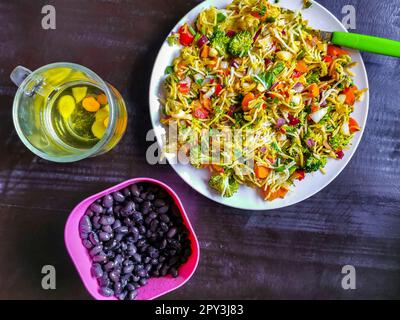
(256, 66)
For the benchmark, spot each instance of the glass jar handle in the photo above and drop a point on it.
(19, 74)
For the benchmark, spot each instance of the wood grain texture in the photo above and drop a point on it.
(296, 252)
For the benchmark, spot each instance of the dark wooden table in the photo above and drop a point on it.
(296, 252)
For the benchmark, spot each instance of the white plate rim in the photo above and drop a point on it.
(281, 203)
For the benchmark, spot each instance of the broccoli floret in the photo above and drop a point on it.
(219, 41)
(240, 44)
(224, 183)
(314, 164)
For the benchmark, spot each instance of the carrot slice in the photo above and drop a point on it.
(246, 100)
(301, 66)
(217, 168)
(205, 51)
(261, 171)
(90, 104)
(353, 125)
(350, 96)
(336, 51)
(270, 196)
(314, 90)
(102, 99)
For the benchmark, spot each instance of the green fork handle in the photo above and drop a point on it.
(367, 43)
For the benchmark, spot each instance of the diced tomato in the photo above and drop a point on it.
(350, 96)
(201, 113)
(293, 121)
(218, 89)
(246, 100)
(301, 66)
(314, 108)
(299, 174)
(296, 74)
(336, 51)
(185, 37)
(353, 125)
(184, 87)
(328, 59)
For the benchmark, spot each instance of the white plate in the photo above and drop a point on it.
(248, 198)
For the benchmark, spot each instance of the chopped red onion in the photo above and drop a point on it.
(235, 63)
(231, 33)
(280, 122)
(296, 74)
(267, 62)
(257, 35)
(231, 111)
(202, 41)
(311, 142)
(263, 149)
(274, 85)
(340, 154)
(298, 87)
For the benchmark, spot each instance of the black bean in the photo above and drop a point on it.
(107, 292)
(107, 201)
(101, 257)
(122, 230)
(138, 200)
(128, 209)
(173, 272)
(122, 295)
(107, 229)
(118, 196)
(87, 244)
(126, 192)
(137, 216)
(96, 250)
(137, 257)
(110, 211)
(128, 269)
(164, 218)
(95, 222)
(164, 270)
(132, 295)
(104, 236)
(94, 239)
(116, 224)
(164, 227)
(104, 281)
(143, 281)
(85, 226)
(109, 266)
(114, 276)
(159, 203)
(89, 213)
(97, 271)
(119, 236)
(97, 208)
(117, 288)
(142, 229)
(172, 232)
(135, 190)
(130, 286)
(163, 209)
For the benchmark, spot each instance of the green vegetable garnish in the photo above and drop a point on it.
(219, 41)
(240, 44)
(224, 183)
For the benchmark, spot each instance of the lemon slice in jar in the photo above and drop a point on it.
(66, 106)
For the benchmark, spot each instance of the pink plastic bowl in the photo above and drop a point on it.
(155, 287)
